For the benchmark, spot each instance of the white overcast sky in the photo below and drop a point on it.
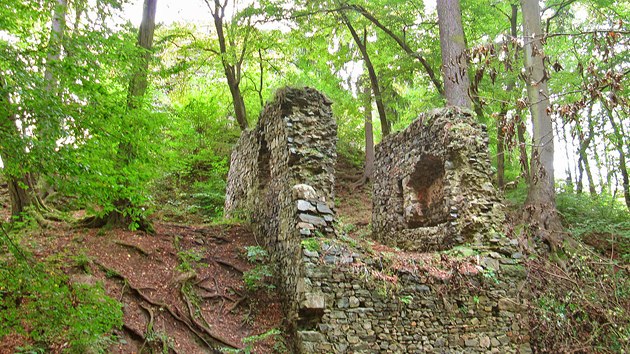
(170, 11)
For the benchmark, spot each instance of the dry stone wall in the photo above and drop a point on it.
(431, 192)
(281, 178)
(411, 303)
(432, 185)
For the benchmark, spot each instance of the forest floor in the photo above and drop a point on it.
(184, 285)
(179, 287)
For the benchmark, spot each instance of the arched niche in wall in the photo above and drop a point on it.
(423, 194)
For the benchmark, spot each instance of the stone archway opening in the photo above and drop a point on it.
(424, 201)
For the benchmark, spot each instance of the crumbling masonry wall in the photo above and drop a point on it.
(281, 178)
(464, 301)
(432, 184)
(343, 297)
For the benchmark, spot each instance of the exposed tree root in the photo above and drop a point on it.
(228, 265)
(115, 220)
(133, 247)
(360, 183)
(210, 339)
(544, 224)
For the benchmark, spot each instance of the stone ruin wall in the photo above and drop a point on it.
(354, 303)
(432, 185)
(340, 298)
(281, 179)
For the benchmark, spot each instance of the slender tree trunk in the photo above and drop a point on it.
(22, 192)
(579, 184)
(140, 79)
(404, 46)
(119, 217)
(562, 136)
(368, 171)
(501, 148)
(362, 44)
(540, 205)
(454, 62)
(261, 68)
(57, 29)
(522, 147)
(504, 110)
(583, 163)
(232, 70)
(619, 144)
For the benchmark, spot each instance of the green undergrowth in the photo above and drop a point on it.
(261, 275)
(580, 302)
(580, 293)
(40, 304)
(599, 221)
(195, 192)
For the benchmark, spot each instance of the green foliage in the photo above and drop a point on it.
(406, 299)
(602, 213)
(40, 303)
(256, 254)
(259, 276)
(596, 217)
(188, 259)
(311, 244)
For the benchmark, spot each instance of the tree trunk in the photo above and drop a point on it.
(522, 148)
(501, 148)
(583, 163)
(232, 70)
(453, 46)
(619, 143)
(540, 206)
(22, 192)
(563, 138)
(57, 29)
(385, 127)
(504, 111)
(139, 81)
(23, 196)
(120, 217)
(368, 171)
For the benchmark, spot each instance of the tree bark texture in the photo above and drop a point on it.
(542, 172)
(139, 81)
(453, 46)
(540, 205)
